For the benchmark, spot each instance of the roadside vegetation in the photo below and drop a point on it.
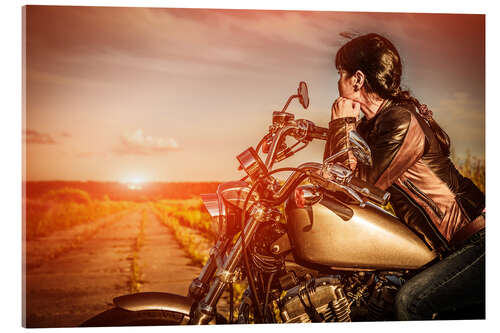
(64, 208)
(188, 226)
(189, 213)
(473, 168)
(191, 226)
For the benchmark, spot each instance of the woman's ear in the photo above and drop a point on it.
(359, 80)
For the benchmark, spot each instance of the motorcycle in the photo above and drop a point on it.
(319, 247)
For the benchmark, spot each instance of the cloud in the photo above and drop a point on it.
(170, 38)
(32, 136)
(93, 154)
(94, 46)
(462, 108)
(136, 143)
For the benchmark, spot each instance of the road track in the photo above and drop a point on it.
(74, 274)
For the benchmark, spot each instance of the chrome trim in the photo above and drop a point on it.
(360, 148)
(237, 196)
(211, 203)
(371, 204)
(277, 138)
(215, 207)
(303, 126)
(309, 166)
(334, 156)
(155, 301)
(229, 264)
(226, 276)
(310, 194)
(336, 172)
(222, 213)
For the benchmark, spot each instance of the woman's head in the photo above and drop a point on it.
(371, 64)
(376, 58)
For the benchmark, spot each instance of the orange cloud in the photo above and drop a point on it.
(32, 136)
(93, 154)
(136, 143)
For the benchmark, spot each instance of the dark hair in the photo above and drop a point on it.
(380, 62)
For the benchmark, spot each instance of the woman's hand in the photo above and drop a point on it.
(344, 107)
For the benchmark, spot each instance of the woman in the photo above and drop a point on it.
(410, 155)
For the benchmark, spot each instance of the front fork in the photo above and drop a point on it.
(204, 310)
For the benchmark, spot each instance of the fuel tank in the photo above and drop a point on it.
(333, 234)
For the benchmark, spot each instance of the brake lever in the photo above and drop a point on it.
(333, 186)
(284, 154)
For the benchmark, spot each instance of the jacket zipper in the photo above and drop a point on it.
(444, 243)
(425, 198)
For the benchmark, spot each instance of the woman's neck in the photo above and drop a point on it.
(371, 106)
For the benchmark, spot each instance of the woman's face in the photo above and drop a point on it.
(346, 85)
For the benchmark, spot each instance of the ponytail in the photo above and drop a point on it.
(442, 137)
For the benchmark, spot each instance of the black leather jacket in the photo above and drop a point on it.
(427, 191)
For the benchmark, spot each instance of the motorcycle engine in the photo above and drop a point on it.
(315, 300)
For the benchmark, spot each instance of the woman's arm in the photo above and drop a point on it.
(338, 139)
(396, 142)
(345, 113)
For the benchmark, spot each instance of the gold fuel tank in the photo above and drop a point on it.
(332, 234)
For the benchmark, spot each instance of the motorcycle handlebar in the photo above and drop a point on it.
(312, 132)
(317, 132)
(370, 191)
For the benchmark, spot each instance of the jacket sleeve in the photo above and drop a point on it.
(396, 141)
(338, 139)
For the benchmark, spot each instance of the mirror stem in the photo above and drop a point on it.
(288, 102)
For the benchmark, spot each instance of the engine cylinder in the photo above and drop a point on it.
(342, 309)
(316, 300)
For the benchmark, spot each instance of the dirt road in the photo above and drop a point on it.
(74, 274)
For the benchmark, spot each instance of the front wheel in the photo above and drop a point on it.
(121, 317)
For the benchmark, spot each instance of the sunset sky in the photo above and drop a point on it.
(120, 94)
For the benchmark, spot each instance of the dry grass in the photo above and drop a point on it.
(473, 168)
(189, 213)
(189, 226)
(51, 253)
(65, 208)
(194, 242)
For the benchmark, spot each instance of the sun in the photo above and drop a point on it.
(135, 183)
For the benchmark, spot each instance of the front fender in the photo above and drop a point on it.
(155, 301)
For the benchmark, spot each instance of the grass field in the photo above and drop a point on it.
(473, 168)
(190, 226)
(64, 208)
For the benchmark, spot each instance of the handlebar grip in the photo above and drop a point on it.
(318, 132)
(370, 191)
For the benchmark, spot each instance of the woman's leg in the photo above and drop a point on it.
(456, 282)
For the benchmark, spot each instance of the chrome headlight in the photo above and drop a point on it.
(217, 210)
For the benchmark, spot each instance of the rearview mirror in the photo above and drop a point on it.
(303, 94)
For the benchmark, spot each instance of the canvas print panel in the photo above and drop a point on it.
(195, 166)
